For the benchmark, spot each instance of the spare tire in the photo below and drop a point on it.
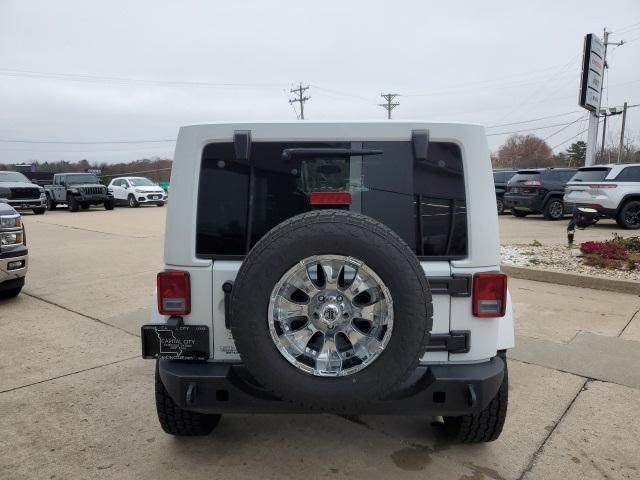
(331, 310)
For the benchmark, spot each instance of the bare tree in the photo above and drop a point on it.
(524, 151)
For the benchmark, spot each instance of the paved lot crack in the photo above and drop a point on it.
(538, 452)
(89, 317)
(96, 231)
(629, 322)
(69, 374)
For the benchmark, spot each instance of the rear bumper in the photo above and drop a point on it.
(603, 211)
(216, 387)
(529, 203)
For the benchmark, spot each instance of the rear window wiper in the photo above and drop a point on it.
(289, 153)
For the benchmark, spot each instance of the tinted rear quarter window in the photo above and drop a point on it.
(629, 174)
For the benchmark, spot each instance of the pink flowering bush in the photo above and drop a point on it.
(607, 250)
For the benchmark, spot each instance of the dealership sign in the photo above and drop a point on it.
(592, 72)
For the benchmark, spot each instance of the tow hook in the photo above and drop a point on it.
(472, 397)
(190, 397)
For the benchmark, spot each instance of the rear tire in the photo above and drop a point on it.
(629, 216)
(487, 425)
(500, 205)
(176, 421)
(133, 203)
(553, 209)
(518, 213)
(39, 211)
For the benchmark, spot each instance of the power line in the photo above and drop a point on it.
(556, 74)
(618, 31)
(534, 119)
(79, 77)
(66, 142)
(535, 128)
(569, 139)
(581, 117)
(390, 105)
(127, 174)
(299, 92)
(341, 93)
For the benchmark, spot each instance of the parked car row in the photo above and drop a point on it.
(76, 191)
(612, 190)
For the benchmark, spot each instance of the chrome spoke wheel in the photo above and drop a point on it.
(330, 315)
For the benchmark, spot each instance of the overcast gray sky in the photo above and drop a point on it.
(89, 71)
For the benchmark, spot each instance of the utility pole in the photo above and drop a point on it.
(624, 118)
(592, 133)
(604, 131)
(301, 98)
(390, 105)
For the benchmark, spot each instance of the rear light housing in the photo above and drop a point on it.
(330, 198)
(600, 186)
(174, 293)
(532, 183)
(489, 295)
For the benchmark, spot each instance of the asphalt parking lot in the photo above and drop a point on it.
(76, 400)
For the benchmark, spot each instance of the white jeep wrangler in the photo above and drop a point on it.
(332, 267)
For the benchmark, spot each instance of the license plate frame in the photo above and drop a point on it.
(168, 342)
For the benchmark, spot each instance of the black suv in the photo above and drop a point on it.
(538, 191)
(500, 179)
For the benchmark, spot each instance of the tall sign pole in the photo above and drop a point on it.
(594, 60)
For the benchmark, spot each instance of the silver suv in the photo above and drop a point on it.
(612, 190)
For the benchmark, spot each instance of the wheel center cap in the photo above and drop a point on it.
(330, 313)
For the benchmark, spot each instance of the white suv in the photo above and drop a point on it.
(612, 190)
(341, 267)
(133, 191)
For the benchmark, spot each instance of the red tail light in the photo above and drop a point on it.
(330, 198)
(489, 294)
(532, 183)
(174, 293)
(599, 186)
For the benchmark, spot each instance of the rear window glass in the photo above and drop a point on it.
(422, 201)
(590, 175)
(559, 175)
(525, 177)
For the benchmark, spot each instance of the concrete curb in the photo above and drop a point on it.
(596, 283)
